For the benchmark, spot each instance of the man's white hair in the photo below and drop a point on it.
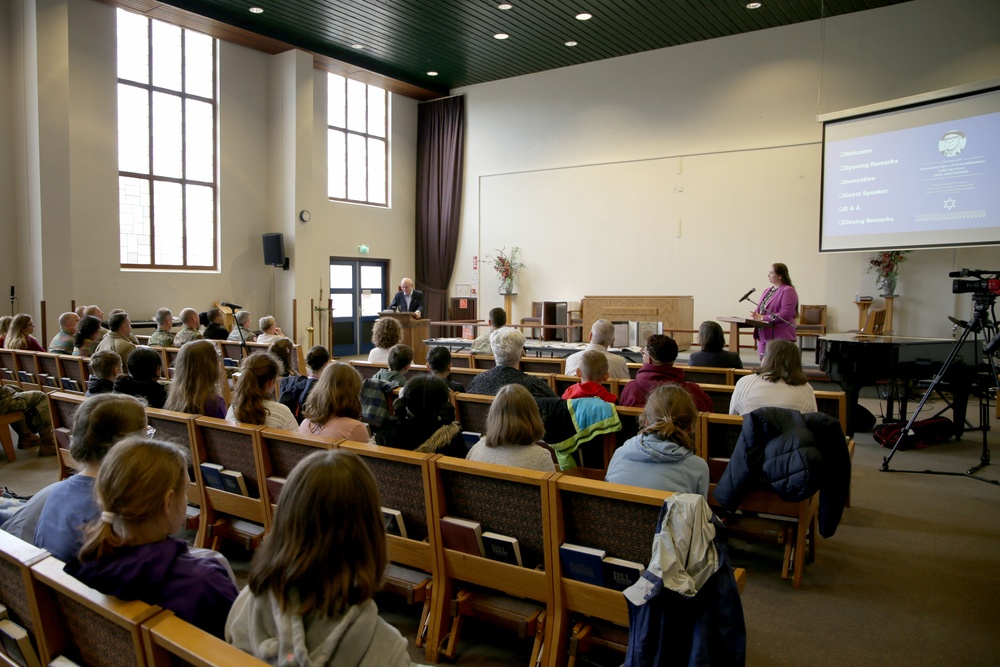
(603, 333)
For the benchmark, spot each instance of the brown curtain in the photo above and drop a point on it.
(440, 157)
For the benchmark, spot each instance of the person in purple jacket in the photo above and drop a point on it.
(779, 306)
(128, 550)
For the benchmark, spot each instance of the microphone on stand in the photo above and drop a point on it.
(747, 295)
(230, 305)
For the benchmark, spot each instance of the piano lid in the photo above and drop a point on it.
(881, 340)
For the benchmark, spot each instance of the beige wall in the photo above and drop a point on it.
(689, 170)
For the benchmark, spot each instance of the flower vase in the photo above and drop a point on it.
(888, 286)
(506, 286)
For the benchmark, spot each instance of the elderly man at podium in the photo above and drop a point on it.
(408, 299)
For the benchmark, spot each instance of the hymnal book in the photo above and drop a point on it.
(211, 473)
(17, 644)
(583, 563)
(471, 438)
(619, 574)
(462, 535)
(274, 487)
(26, 377)
(63, 661)
(233, 482)
(503, 548)
(393, 522)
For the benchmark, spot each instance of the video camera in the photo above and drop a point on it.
(975, 281)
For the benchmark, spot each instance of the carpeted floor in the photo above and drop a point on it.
(910, 578)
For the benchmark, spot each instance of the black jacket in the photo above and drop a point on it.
(416, 301)
(795, 454)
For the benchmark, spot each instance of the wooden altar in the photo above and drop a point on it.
(675, 312)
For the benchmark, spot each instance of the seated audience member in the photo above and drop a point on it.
(53, 517)
(333, 408)
(216, 327)
(163, 336)
(4, 327)
(189, 331)
(131, 335)
(498, 319)
(658, 368)
(295, 389)
(400, 360)
(269, 330)
(439, 365)
(128, 550)
(423, 420)
(712, 340)
(778, 383)
(253, 397)
(662, 456)
(513, 426)
(593, 370)
(81, 311)
(143, 379)
(19, 335)
(386, 333)
(62, 342)
(35, 430)
(105, 367)
(508, 348)
(602, 336)
(308, 599)
(196, 387)
(118, 339)
(242, 320)
(87, 336)
(283, 349)
(95, 311)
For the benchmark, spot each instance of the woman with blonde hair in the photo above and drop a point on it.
(270, 331)
(128, 550)
(308, 600)
(662, 456)
(19, 335)
(253, 398)
(778, 383)
(196, 387)
(513, 427)
(4, 327)
(386, 333)
(333, 408)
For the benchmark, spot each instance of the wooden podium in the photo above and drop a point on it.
(415, 331)
(737, 323)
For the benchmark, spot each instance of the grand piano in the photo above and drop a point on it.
(858, 360)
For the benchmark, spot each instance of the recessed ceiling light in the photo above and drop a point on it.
(256, 10)
(501, 35)
(432, 74)
(584, 16)
(753, 5)
(357, 46)
(571, 43)
(505, 6)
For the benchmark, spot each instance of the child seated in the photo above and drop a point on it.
(128, 552)
(105, 367)
(592, 372)
(143, 379)
(308, 600)
(400, 358)
(423, 420)
(439, 365)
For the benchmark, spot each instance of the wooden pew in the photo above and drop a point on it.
(50, 370)
(16, 590)
(471, 411)
(179, 428)
(509, 501)
(483, 361)
(281, 451)
(8, 367)
(27, 370)
(707, 374)
(367, 369)
(77, 372)
(461, 360)
(464, 376)
(553, 365)
(62, 411)
(169, 641)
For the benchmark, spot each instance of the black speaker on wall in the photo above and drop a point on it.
(274, 250)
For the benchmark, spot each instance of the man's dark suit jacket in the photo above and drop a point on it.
(416, 301)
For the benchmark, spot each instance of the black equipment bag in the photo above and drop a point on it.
(922, 434)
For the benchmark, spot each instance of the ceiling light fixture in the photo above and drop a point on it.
(584, 16)
(357, 46)
(432, 74)
(256, 10)
(571, 43)
(501, 35)
(505, 6)
(753, 5)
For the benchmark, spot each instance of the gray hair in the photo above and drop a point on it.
(161, 316)
(266, 322)
(507, 346)
(65, 318)
(187, 314)
(243, 318)
(602, 333)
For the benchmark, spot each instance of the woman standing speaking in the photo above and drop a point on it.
(779, 306)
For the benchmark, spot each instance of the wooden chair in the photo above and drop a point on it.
(16, 591)
(178, 428)
(84, 625)
(242, 518)
(404, 484)
(169, 641)
(76, 373)
(50, 371)
(62, 409)
(795, 525)
(280, 452)
(471, 411)
(707, 374)
(812, 323)
(509, 501)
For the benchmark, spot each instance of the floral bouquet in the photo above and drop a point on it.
(885, 265)
(506, 267)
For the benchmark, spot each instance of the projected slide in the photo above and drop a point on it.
(926, 176)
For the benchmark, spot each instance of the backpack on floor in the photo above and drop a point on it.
(922, 434)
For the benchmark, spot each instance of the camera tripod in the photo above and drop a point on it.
(983, 322)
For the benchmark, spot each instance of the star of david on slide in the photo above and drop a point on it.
(949, 203)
